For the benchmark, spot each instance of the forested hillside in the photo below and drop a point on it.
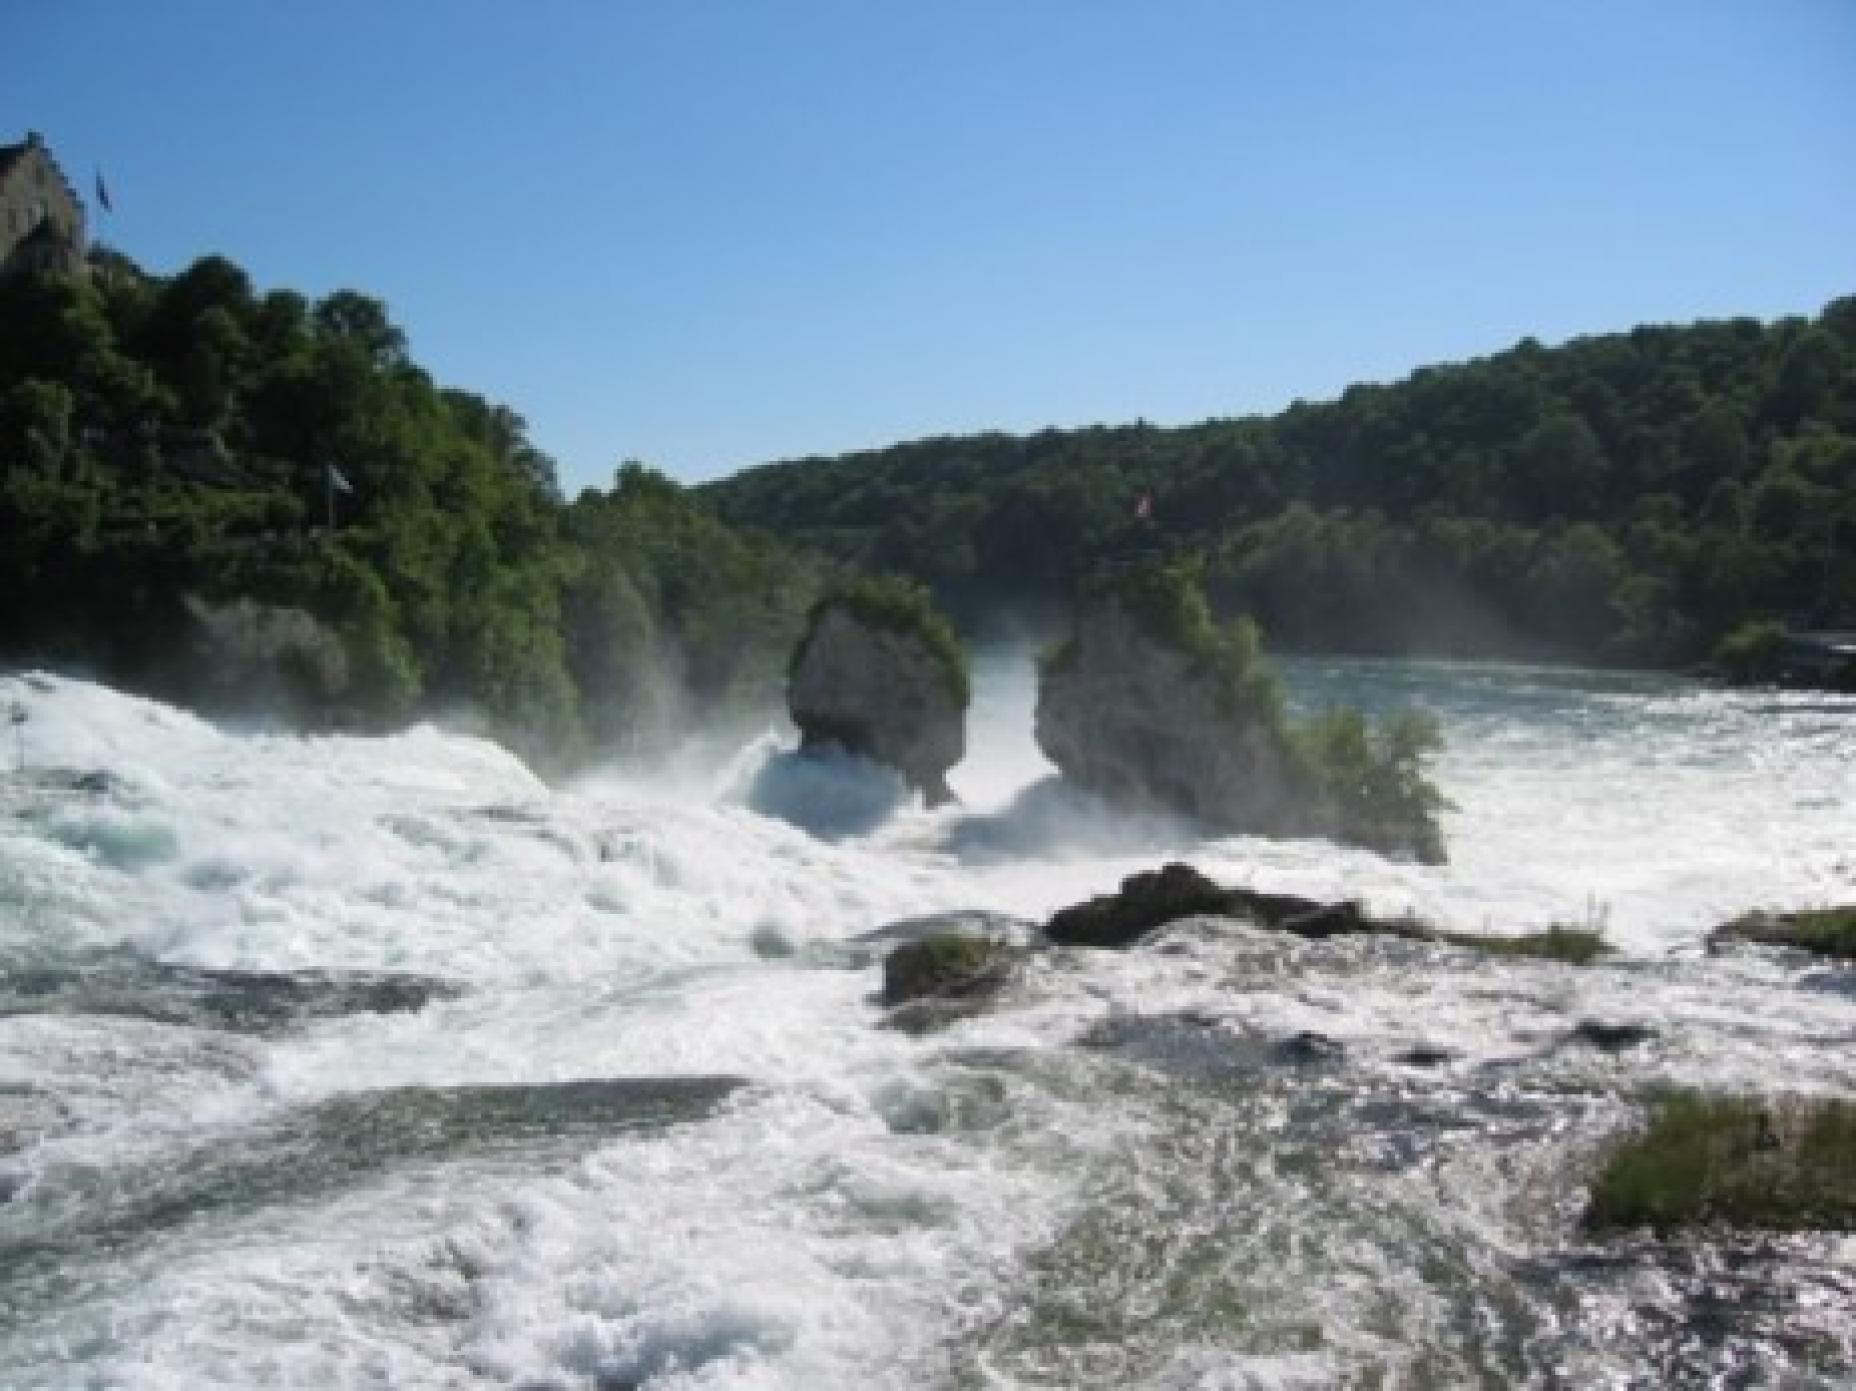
(1629, 498)
(191, 436)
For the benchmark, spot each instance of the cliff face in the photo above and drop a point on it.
(1124, 713)
(882, 692)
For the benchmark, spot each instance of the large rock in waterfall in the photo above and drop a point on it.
(880, 673)
(1144, 706)
(1152, 703)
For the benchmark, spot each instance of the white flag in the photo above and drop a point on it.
(336, 481)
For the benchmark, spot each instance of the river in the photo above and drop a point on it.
(377, 1062)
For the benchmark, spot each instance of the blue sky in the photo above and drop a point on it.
(709, 234)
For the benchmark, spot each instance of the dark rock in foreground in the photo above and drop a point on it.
(1153, 898)
(1612, 1038)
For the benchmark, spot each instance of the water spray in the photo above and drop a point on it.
(17, 717)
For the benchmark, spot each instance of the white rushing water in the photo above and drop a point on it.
(1205, 1162)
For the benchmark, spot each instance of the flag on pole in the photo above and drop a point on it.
(103, 193)
(336, 481)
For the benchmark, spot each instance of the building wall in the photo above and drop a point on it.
(34, 190)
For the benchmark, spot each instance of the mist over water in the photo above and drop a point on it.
(296, 1038)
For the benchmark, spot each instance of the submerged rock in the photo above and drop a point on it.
(1425, 1055)
(879, 674)
(124, 985)
(1612, 1038)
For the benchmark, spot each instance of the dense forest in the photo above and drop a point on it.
(173, 441)
(1630, 498)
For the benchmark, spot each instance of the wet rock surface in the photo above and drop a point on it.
(254, 1002)
(880, 692)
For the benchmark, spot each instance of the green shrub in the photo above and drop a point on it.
(1752, 652)
(901, 606)
(1779, 1165)
(1373, 782)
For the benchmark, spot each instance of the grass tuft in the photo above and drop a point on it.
(1707, 1161)
(1824, 931)
(1578, 946)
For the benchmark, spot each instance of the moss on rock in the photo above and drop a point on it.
(943, 964)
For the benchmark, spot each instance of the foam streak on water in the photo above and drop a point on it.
(285, 1023)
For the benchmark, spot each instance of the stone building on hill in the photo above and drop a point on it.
(41, 216)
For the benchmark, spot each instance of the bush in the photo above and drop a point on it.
(1373, 780)
(1753, 652)
(901, 606)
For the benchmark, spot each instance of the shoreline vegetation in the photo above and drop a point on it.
(235, 497)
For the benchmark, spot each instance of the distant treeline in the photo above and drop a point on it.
(167, 438)
(1627, 498)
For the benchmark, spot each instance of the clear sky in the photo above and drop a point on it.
(709, 234)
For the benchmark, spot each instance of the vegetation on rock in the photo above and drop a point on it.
(899, 606)
(1336, 775)
(1578, 946)
(1707, 1161)
(1823, 931)
(943, 963)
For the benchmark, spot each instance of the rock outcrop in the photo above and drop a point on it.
(1154, 704)
(879, 674)
(1153, 898)
(1156, 897)
(1128, 710)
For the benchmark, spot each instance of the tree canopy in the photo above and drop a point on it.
(1630, 497)
(191, 436)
